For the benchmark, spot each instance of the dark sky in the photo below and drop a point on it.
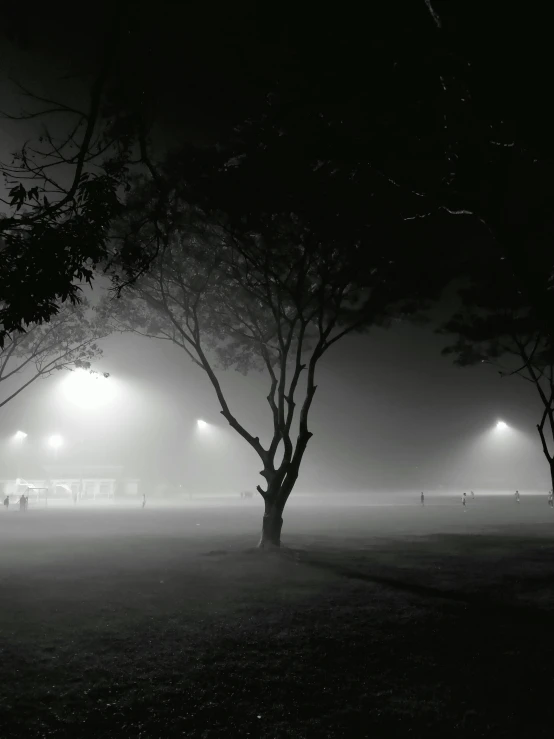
(205, 63)
(390, 412)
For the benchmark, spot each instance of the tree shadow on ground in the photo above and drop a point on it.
(527, 563)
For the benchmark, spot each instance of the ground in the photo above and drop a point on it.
(376, 621)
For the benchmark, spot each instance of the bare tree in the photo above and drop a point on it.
(68, 341)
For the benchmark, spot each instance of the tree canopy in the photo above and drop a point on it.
(406, 114)
(63, 193)
(270, 283)
(506, 320)
(67, 342)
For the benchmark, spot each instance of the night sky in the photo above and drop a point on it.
(390, 412)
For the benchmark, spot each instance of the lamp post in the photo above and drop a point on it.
(55, 442)
(90, 391)
(19, 437)
(506, 439)
(202, 427)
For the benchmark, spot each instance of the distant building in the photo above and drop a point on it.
(87, 482)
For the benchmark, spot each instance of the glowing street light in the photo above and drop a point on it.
(88, 390)
(501, 426)
(19, 437)
(202, 424)
(55, 441)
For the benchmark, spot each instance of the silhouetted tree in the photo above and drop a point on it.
(511, 327)
(68, 341)
(272, 291)
(499, 182)
(64, 191)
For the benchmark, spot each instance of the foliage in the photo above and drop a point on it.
(499, 154)
(68, 341)
(270, 290)
(64, 192)
(511, 328)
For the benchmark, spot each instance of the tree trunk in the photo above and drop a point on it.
(278, 491)
(271, 526)
(549, 457)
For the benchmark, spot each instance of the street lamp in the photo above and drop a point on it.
(501, 426)
(19, 437)
(88, 390)
(202, 424)
(55, 441)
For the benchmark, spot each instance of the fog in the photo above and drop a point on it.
(228, 523)
(297, 172)
(390, 414)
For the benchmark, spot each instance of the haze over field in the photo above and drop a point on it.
(371, 431)
(129, 617)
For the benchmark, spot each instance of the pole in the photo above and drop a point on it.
(81, 445)
(18, 455)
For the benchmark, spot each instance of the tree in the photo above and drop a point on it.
(493, 149)
(363, 107)
(269, 247)
(68, 342)
(64, 191)
(496, 154)
(511, 328)
(273, 292)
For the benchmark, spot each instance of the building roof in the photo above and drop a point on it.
(59, 471)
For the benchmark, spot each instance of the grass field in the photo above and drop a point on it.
(376, 621)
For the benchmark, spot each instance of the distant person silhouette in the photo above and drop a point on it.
(551, 499)
(7, 502)
(472, 495)
(464, 501)
(517, 496)
(22, 503)
(143, 499)
(422, 499)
